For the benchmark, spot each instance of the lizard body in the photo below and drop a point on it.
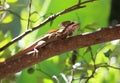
(66, 29)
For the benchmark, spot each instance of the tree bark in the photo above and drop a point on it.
(20, 61)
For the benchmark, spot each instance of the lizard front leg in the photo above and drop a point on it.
(46, 39)
(39, 45)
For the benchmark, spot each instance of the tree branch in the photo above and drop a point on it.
(20, 61)
(29, 14)
(50, 18)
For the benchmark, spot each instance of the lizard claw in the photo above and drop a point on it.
(36, 53)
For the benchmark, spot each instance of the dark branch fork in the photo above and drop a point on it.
(50, 18)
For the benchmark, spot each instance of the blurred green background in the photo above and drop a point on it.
(94, 64)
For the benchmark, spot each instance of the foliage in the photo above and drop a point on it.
(97, 63)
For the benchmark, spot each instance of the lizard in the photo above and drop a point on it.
(66, 29)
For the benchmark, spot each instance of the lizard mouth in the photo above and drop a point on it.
(75, 24)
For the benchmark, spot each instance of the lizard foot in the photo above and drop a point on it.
(39, 45)
(36, 53)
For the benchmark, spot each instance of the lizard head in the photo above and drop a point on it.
(69, 27)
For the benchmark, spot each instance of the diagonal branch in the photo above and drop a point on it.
(20, 61)
(50, 18)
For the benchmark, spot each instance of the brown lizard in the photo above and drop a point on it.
(66, 29)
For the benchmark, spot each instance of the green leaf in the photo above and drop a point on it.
(7, 19)
(108, 52)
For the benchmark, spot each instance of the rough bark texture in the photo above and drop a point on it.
(18, 62)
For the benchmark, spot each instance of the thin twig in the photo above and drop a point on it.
(50, 18)
(93, 72)
(29, 14)
(92, 75)
(110, 67)
(42, 71)
(92, 55)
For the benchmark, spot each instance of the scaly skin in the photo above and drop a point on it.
(66, 29)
